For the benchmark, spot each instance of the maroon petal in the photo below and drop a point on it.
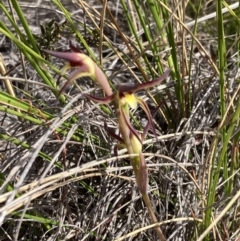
(142, 175)
(105, 100)
(145, 85)
(153, 83)
(129, 126)
(127, 88)
(150, 124)
(112, 133)
(77, 73)
(149, 116)
(75, 59)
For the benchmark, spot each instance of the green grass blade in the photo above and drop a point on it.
(24, 23)
(14, 25)
(134, 31)
(222, 65)
(74, 27)
(34, 58)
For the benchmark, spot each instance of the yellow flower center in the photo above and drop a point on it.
(129, 99)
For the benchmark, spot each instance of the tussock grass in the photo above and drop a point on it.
(59, 177)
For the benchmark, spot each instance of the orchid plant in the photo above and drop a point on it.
(124, 99)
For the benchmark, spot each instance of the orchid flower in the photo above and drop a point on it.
(84, 65)
(124, 100)
(131, 138)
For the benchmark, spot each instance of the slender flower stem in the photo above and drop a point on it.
(152, 214)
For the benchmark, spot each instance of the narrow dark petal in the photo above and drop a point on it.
(153, 83)
(77, 73)
(112, 133)
(75, 59)
(149, 116)
(105, 100)
(62, 89)
(126, 88)
(130, 127)
(149, 123)
(142, 175)
(116, 147)
(74, 48)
